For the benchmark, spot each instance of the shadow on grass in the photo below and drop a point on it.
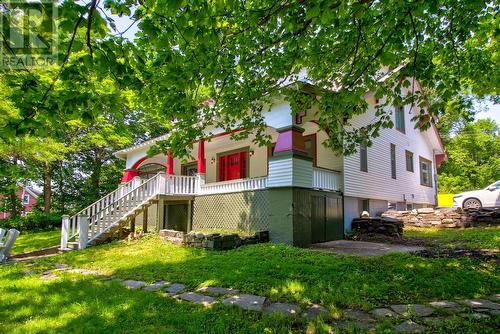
(290, 274)
(76, 304)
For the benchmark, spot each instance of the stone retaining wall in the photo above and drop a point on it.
(445, 217)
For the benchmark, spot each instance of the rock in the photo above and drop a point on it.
(175, 289)
(283, 308)
(495, 297)
(416, 309)
(84, 271)
(198, 299)
(217, 291)
(443, 304)
(246, 302)
(479, 316)
(61, 266)
(315, 311)
(495, 313)
(48, 277)
(131, 284)
(383, 312)
(156, 286)
(425, 210)
(354, 324)
(358, 315)
(365, 214)
(447, 221)
(408, 327)
(480, 303)
(436, 321)
(30, 271)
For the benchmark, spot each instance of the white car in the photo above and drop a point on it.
(476, 199)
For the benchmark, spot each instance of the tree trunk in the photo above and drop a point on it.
(15, 210)
(47, 187)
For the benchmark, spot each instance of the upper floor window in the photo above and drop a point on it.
(400, 119)
(363, 158)
(409, 161)
(425, 172)
(26, 199)
(393, 161)
(310, 145)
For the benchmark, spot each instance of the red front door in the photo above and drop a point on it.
(232, 166)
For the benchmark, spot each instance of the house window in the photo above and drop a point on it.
(393, 161)
(365, 205)
(409, 161)
(233, 166)
(425, 172)
(190, 169)
(363, 158)
(310, 145)
(26, 199)
(400, 119)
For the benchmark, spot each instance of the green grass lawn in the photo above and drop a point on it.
(30, 241)
(74, 303)
(474, 237)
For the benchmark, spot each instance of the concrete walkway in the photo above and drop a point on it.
(363, 248)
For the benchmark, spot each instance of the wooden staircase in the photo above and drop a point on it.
(101, 220)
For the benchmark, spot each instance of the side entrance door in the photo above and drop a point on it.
(232, 166)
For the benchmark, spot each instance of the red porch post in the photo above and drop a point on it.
(170, 164)
(129, 174)
(201, 156)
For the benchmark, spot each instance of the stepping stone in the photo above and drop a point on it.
(30, 271)
(383, 312)
(61, 266)
(355, 324)
(217, 291)
(246, 302)
(197, 298)
(480, 303)
(495, 297)
(358, 315)
(444, 304)
(315, 311)
(408, 327)
(283, 308)
(85, 271)
(131, 284)
(48, 277)
(416, 309)
(156, 286)
(436, 321)
(175, 289)
(479, 316)
(495, 312)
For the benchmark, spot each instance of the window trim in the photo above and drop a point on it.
(411, 155)
(245, 149)
(393, 162)
(314, 147)
(363, 148)
(185, 166)
(400, 110)
(26, 202)
(422, 159)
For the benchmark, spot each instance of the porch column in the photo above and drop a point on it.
(129, 174)
(201, 156)
(170, 164)
(290, 166)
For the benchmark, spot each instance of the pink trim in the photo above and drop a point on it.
(290, 141)
(201, 156)
(170, 164)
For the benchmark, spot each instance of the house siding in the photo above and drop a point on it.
(378, 183)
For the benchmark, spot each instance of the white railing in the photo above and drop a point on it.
(233, 186)
(326, 179)
(181, 185)
(72, 224)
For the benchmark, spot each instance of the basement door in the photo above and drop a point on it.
(232, 166)
(326, 219)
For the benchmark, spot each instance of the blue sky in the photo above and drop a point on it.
(122, 23)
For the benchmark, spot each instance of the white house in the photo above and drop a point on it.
(299, 190)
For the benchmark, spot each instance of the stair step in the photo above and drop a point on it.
(73, 245)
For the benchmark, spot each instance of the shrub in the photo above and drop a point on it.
(35, 221)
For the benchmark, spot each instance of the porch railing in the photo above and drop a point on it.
(233, 186)
(326, 179)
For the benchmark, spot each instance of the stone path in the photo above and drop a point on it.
(363, 248)
(406, 318)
